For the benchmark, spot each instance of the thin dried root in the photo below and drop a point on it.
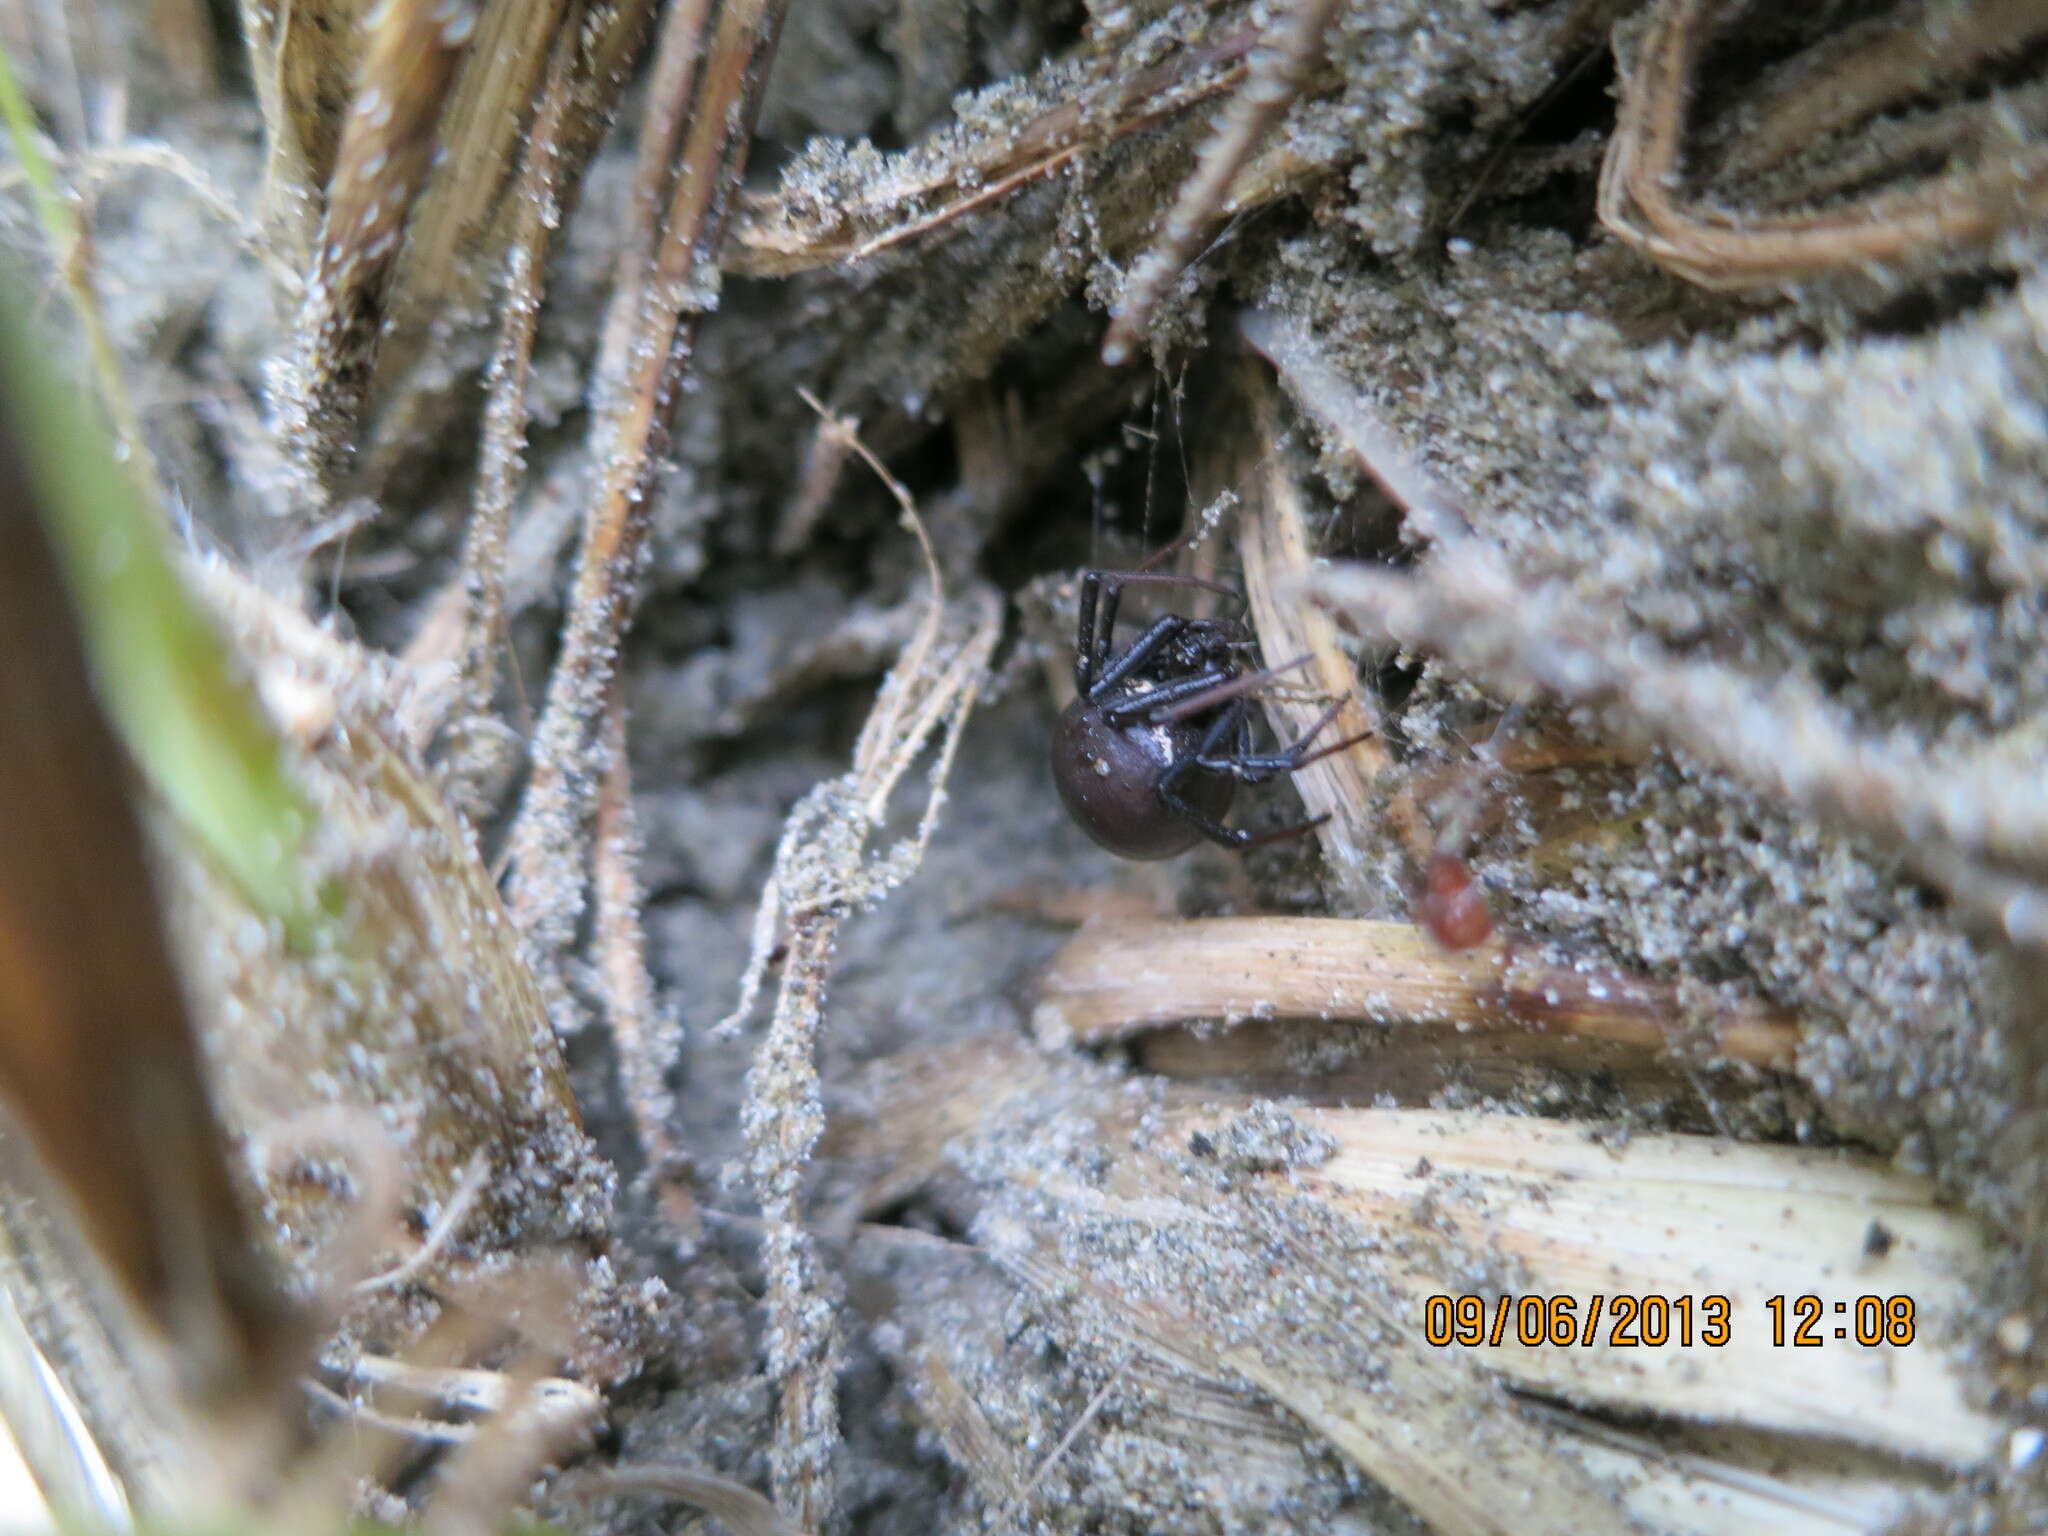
(823, 872)
(678, 49)
(1112, 982)
(2007, 187)
(1271, 83)
(734, 1505)
(645, 1045)
(454, 1212)
(470, 1390)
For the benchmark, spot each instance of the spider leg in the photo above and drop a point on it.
(1201, 821)
(1236, 685)
(1115, 581)
(1231, 720)
(1256, 768)
(1161, 632)
(1140, 706)
(1101, 593)
(1168, 787)
(1087, 646)
(1214, 830)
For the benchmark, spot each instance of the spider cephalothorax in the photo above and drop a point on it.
(1151, 751)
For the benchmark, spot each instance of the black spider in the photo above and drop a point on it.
(1151, 751)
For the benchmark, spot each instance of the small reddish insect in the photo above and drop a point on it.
(1452, 906)
(1149, 755)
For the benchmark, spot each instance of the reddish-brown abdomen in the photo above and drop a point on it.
(1108, 778)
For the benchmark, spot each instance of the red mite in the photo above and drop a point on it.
(1452, 906)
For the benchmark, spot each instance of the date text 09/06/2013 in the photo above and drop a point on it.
(1624, 1321)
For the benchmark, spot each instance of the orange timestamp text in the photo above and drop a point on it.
(1620, 1321)
(1625, 1321)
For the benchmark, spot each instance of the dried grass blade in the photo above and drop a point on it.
(99, 1060)
(1273, 540)
(733, 1504)
(550, 839)
(1111, 981)
(1425, 1423)
(1729, 1494)
(645, 1043)
(525, 52)
(505, 381)
(388, 144)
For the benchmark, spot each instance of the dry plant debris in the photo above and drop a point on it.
(1873, 69)
(1112, 980)
(101, 1062)
(1652, 461)
(864, 209)
(550, 840)
(824, 872)
(1236, 1243)
(1276, 547)
(1271, 80)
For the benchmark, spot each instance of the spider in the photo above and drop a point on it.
(1150, 753)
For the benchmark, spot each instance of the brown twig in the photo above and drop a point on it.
(1722, 250)
(1271, 83)
(1111, 982)
(550, 839)
(678, 49)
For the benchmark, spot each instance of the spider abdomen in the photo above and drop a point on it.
(1108, 777)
